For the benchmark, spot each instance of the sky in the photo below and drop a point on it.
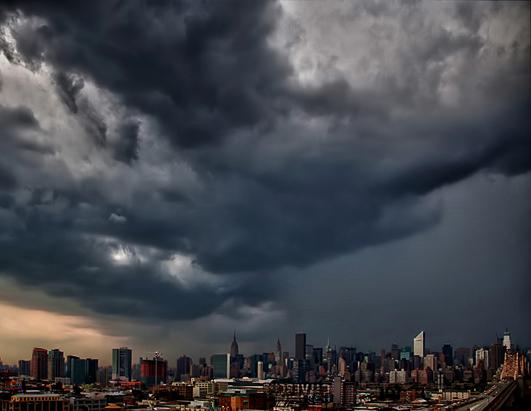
(172, 172)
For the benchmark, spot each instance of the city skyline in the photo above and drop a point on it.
(170, 356)
(173, 171)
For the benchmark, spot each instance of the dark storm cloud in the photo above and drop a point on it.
(54, 264)
(7, 179)
(126, 147)
(201, 70)
(282, 173)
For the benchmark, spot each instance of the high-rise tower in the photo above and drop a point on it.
(121, 363)
(300, 346)
(419, 344)
(39, 364)
(234, 351)
(56, 364)
(448, 352)
(507, 339)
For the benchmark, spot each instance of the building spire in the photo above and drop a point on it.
(234, 351)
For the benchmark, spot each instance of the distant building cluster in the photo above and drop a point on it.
(311, 378)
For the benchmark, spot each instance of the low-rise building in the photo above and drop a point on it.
(35, 402)
(87, 404)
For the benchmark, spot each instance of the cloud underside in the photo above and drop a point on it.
(159, 155)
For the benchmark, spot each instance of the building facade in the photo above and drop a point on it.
(121, 363)
(35, 402)
(56, 364)
(419, 344)
(39, 364)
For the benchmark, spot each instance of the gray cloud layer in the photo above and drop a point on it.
(189, 158)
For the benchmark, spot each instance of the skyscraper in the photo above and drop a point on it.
(278, 353)
(91, 370)
(496, 355)
(39, 364)
(260, 372)
(430, 361)
(234, 347)
(507, 339)
(220, 363)
(153, 372)
(184, 365)
(448, 352)
(482, 358)
(419, 344)
(69, 363)
(300, 346)
(76, 370)
(56, 364)
(121, 363)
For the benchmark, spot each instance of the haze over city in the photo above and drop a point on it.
(175, 172)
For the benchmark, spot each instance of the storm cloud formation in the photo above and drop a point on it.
(185, 152)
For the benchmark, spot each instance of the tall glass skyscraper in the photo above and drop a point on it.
(56, 364)
(300, 346)
(121, 363)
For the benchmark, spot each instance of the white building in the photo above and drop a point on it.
(482, 354)
(204, 388)
(507, 340)
(419, 344)
(260, 370)
(397, 377)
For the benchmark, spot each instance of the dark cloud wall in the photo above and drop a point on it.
(184, 160)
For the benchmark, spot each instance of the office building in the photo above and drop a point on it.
(39, 364)
(448, 353)
(496, 355)
(184, 367)
(91, 370)
(405, 353)
(419, 344)
(300, 346)
(104, 375)
(318, 355)
(68, 369)
(430, 361)
(77, 370)
(344, 392)
(24, 368)
(56, 364)
(121, 363)
(397, 377)
(482, 358)
(260, 372)
(153, 372)
(220, 363)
